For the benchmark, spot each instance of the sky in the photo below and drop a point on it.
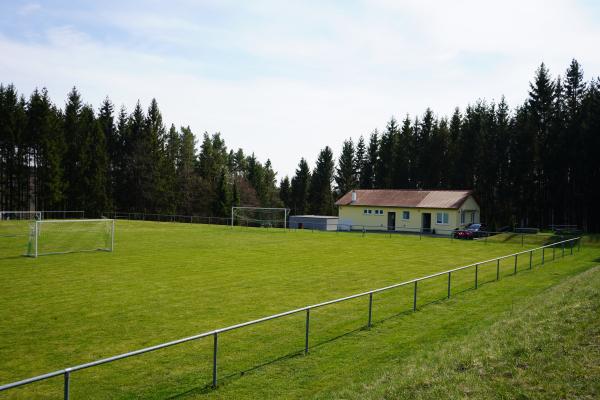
(283, 79)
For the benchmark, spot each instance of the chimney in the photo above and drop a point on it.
(353, 196)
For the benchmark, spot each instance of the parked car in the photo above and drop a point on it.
(472, 231)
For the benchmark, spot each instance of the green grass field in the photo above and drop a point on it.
(166, 281)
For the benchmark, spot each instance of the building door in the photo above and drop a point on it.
(426, 222)
(391, 221)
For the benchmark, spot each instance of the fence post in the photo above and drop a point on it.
(530, 259)
(415, 297)
(67, 383)
(498, 269)
(215, 349)
(563, 249)
(516, 258)
(543, 254)
(449, 278)
(476, 273)
(306, 333)
(370, 309)
(571, 247)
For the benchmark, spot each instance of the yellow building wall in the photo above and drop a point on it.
(353, 217)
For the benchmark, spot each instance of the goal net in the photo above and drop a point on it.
(259, 217)
(69, 236)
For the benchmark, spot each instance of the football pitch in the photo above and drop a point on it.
(165, 281)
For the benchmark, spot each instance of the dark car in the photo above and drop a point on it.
(472, 231)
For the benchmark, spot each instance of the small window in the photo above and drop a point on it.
(365, 211)
(405, 214)
(473, 216)
(442, 218)
(380, 212)
(369, 212)
(462, 217)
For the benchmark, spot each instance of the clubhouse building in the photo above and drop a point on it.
(432, 211)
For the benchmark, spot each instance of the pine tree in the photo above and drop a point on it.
(285, 192)
(299, 188)
(367, 175)
(424, 157)
(222, 204)
(385, 160)
(360, 159)
(186, 175)
(95, 169)
(75, 156)
(172, 186)
(44, 130)
(345, 177)
(320, 193)
(454, 148)
(113, 149)
(402, 151)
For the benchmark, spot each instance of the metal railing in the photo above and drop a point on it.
(66, 372)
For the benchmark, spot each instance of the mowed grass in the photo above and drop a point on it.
(166, 281)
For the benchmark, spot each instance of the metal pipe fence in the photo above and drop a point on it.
(67, 372)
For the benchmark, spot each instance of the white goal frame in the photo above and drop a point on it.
(36, 234)
(285, 213)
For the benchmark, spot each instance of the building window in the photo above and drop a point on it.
(378, 212)
(442, 218)
(365, 211)
(462, 217)
(405, 214)
(473, 216)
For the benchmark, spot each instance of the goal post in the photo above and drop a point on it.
(62, 236)
(260, 216)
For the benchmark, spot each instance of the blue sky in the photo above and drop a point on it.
(284, 79)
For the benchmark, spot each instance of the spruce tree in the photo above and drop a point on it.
(345, 177)
(95, 169)
(385, 159)
(320, 193)
(285, 192)
(367, 175)
(187, 179)
(299, 188)
(402, 151)
(361, 155)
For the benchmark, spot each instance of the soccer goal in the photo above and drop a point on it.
(70, 236)
(20, 215)
(259, 217)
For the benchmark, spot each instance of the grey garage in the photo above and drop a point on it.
(319, 222)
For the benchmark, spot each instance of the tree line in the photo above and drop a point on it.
(101, 160)
(534, 165)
